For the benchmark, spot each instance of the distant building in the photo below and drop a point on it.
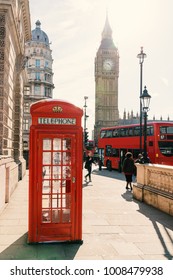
(40, 77)
(106, 82)
(130, 118)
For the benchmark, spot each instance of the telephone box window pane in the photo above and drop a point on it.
(46, 201)
(56, 216)
(66, 216)
(46, 216)
(64, 205)
(46, 171)
(66, 158)
(57, 144)
(46, 157)
(46, 144)
(56, 184)
(59, 201)
(55, 196)
(56, 172)
(56, 158)
(66, 172)
(46, 186)
(54, 201)
(66, 144)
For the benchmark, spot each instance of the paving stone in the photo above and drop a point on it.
(115, 226)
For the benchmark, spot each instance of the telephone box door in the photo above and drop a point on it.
(56, 187)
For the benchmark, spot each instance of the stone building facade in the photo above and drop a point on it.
(106, 82)
(40, 78)
(15, 30)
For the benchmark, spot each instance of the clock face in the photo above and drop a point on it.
(108, 64)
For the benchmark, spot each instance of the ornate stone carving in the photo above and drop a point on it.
(162, 180)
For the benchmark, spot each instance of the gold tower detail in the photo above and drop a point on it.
(106, 82)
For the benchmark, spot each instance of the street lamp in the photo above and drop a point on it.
(145, 101)
(141, 57)
(85, 119)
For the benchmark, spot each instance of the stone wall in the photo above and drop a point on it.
(9, 176)
(154, 186)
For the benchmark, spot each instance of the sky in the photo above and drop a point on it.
(74, 29)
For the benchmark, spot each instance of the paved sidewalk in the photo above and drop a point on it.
(115, 227)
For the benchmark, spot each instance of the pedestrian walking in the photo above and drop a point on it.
(145, 159)
(139, 158)
(100, 163)
(128, 169)
(88, 166)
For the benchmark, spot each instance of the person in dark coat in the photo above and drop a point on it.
(139, 159)
(145, 159)
(128, 169)
(88, 166)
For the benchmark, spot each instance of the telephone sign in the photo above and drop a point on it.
(68, 121)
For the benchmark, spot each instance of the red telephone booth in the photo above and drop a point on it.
(55, 172)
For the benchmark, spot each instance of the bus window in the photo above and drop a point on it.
(127, 132)
(109, 133)
(163, 129)
(169, 130)
(115, 152)
(150, 130)
(103, 134)
(166, 130)
(108, 151)
(131, 131)
(115, 133)
(137, 131)
(123, 132)
(166, 148)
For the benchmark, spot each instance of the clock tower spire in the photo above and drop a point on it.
(107, 31)
(106, 82)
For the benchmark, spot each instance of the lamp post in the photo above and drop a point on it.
(141, 57)
(85, 119)
(145, 101)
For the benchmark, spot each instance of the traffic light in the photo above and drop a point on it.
(86, 137)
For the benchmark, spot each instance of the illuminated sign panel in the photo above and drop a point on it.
(61, 121)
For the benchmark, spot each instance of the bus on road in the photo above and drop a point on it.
(115, 141)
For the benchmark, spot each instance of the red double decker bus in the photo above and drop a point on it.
(114, 142)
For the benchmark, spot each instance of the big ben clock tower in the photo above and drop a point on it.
(106, 82)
